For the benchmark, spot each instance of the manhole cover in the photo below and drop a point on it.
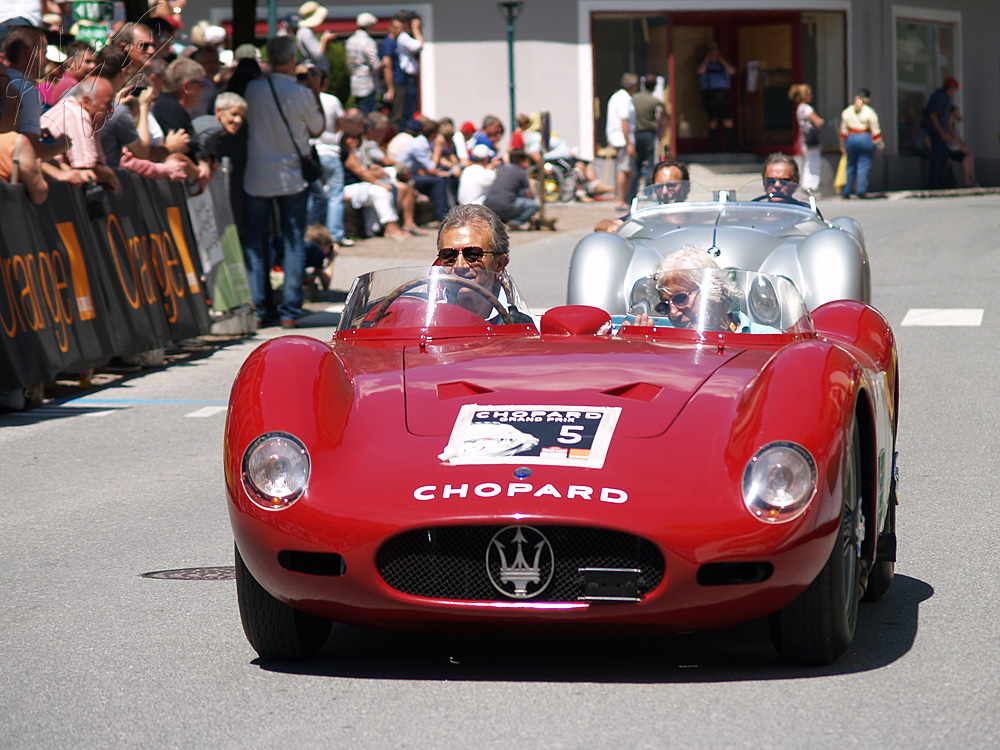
(222, 573)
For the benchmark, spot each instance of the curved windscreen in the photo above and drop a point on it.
(429, 297)
(764, 190)
(718, 300)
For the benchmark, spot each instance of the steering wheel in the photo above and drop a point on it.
(778, 198)
(383, 308)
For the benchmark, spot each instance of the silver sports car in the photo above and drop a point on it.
(780, 232)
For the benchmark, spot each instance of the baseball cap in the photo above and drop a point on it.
(481, 151)
(952, 83)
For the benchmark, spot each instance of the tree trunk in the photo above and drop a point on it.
(244, 18)
(136, 9)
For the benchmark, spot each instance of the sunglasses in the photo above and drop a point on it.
(146, 46)
(681, 299)
(449, 255)
(776, 182)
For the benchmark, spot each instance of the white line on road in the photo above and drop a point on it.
(943, 317)
(207, 411)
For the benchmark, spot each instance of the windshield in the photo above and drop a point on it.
(433, 297)
(718, 300)
(757, 189)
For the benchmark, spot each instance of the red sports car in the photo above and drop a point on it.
(446, 461)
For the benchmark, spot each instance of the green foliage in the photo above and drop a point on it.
(340, 80)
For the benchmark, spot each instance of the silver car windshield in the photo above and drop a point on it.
(430, 297)
(755, 190)
(719, 300)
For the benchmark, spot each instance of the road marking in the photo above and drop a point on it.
(91, 400)
(943, 317)
(100, 413)
(207, 411)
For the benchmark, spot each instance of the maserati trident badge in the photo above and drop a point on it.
(519, 562)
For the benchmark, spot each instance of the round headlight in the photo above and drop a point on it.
(778, 482)
(763, 301)
(276, 470)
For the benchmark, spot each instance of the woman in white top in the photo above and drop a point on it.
(809, 128)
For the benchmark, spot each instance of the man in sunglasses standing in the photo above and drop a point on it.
(474, 241)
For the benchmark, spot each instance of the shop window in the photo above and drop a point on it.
(925, 56)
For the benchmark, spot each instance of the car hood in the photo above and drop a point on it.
(650, 383)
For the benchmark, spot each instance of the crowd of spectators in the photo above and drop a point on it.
(165, 104)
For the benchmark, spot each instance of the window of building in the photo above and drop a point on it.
(925, 56)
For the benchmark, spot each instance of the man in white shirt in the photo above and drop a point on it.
(620, 131)
(477, 177)
(274, 175)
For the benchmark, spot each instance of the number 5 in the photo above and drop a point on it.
(568, 435)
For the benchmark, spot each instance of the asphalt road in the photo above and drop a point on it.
(128, 480)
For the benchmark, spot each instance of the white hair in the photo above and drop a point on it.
(691, 263)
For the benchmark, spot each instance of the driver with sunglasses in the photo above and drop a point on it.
(473, 241)
(780, 175)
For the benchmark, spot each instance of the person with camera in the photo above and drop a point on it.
(283, 114)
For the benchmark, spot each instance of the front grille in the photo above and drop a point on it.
(451, 562)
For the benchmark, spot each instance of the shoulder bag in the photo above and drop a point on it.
(312, 170)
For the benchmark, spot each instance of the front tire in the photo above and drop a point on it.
(276, 631)
(819, 625)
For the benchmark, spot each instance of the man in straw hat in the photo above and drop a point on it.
(313, 49)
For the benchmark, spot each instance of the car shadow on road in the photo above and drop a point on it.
(886, 631)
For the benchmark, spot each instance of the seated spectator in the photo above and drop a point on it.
(398, 143)
(429, 176)
(490, 134)
(510, 196)
(477, 178)
(78, 118)
(79, 64)
(230, 110)
(397, 176)
(363, 190)
(18, 164)
(958, 150)
(456, 140)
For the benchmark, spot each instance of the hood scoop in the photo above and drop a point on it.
(650, 383)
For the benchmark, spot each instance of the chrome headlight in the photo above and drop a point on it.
(276, 470)
(763, 301)
(778, 482)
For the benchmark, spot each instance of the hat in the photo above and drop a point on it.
(467, 129)
(366, 20)
(952, 83)
(412, 126)
(313, 14)
(481, 151)
(247, 52)
(52, 19)
(215, 35)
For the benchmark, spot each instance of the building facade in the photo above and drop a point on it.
(568, 56)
